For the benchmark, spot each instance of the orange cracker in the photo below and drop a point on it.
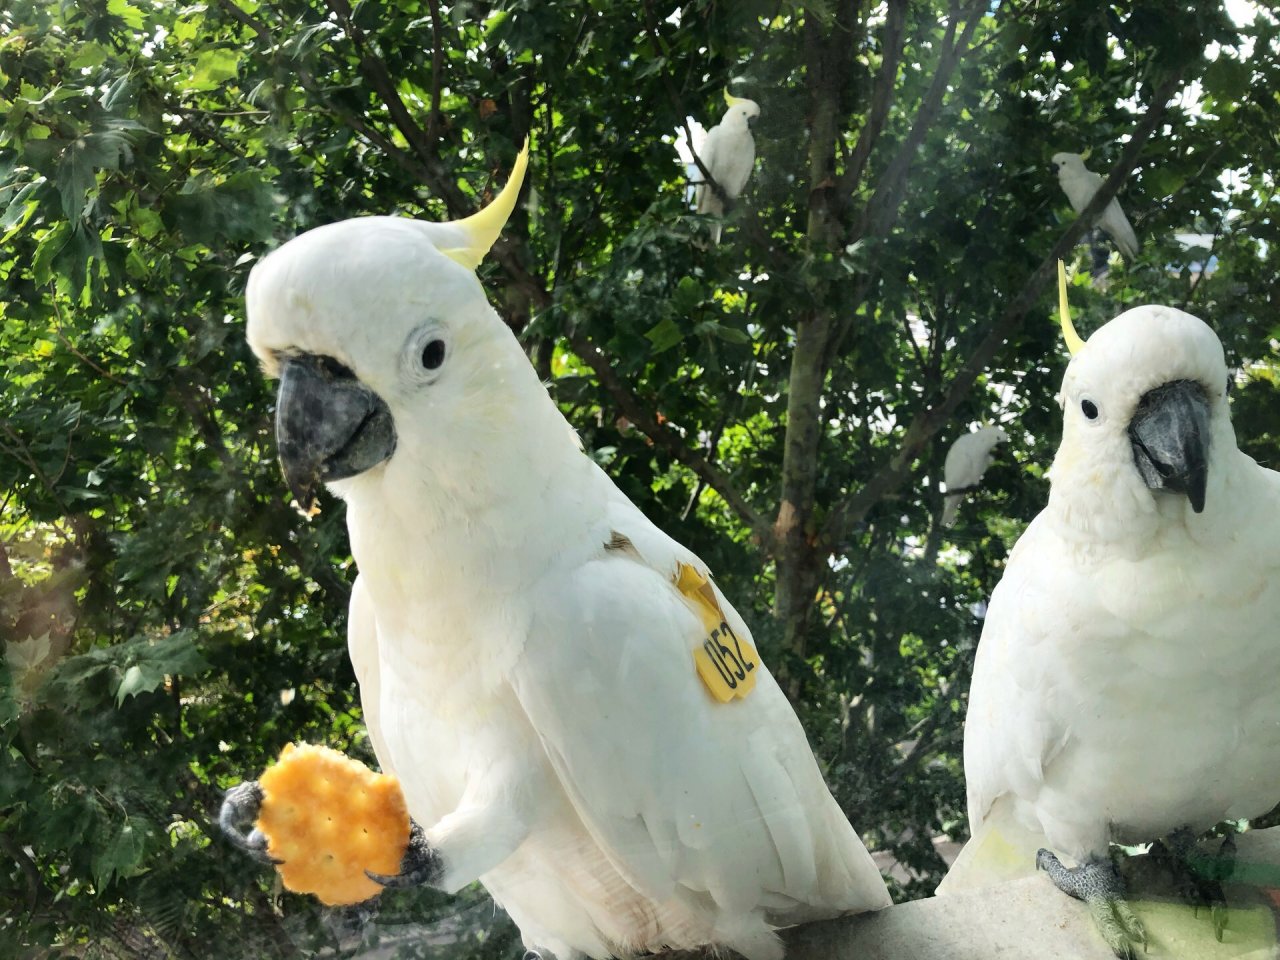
(328, 818)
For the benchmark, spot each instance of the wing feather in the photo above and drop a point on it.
(719, 801)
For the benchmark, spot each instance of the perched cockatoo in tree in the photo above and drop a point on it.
(1125, 683)
(728, 153)
(966, 462)
(575, 712)
(1080, 184)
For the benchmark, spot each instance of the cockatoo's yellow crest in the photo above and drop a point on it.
(483, 228)
(1084, 154)
(1074, 342)
(730, 99)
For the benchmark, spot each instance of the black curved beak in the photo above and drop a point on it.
(329, 425)
(1169, 434)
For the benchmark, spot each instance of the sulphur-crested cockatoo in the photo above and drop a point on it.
(1125, 683)
(1080, 183)
(966, 462)
(575, 712)
(728, 153)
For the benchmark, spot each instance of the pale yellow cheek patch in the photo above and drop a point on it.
(726, 662)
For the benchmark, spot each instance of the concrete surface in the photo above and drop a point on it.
(1031, 919)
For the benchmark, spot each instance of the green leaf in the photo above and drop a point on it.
(103, 149)
(664, 335)
(50, 246)
(20, 207)
(127, 12)
(149, 662)
(213, 68)
(121, 854)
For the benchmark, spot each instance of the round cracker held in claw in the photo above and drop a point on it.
(328, 818)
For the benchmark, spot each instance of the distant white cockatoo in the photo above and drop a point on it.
(1080, 184)
(1125, 684)
(575, 711)
(966, 462)
(728, 153)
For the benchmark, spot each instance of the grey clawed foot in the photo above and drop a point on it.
(1098, 884)
(240, 809)
(531, 955)
(420, 864)
(1199, 878)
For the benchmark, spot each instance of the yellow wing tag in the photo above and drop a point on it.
(725, 662)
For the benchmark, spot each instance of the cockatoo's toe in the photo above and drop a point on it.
(1199, 878)
(1098, 884)
(240, 808)
(421, 865)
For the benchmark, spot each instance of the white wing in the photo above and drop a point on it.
(362, 647)
(734, 158)
(1117, 226)
(1008, 735)
(687, 796)
(709, 154)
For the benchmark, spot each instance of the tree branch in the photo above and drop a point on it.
(882, 209)
(246, 18)
(437, 71)
(926, 425)
(384, 85)
(892, 43)
(670, 441)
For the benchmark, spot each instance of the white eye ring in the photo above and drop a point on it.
(1090, 410)
(426, 353)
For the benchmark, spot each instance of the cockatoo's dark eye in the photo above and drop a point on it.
(433, 354)
(1089, 409)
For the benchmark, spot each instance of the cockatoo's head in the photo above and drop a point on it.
(386, 346)
(741, 111)
(1146, 426)
(1067, 165)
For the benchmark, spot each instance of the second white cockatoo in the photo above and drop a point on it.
(1124, 687)
(728, 153)
(575, 712)
(1080, 184)
(966, 462)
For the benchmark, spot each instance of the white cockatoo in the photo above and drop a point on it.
(728, 152)
(1125, 683)
(966, 462)
(575, 712)
(1080, 184)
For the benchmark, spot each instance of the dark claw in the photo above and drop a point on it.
(420, 865)
(1199, 878)
(239, 809)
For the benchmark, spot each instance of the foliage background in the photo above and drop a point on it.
(781, 402)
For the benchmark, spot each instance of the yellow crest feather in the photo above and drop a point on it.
(730, 99)
(1074, 342)
(483, 228)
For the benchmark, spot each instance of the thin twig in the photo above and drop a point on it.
(57, 329)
